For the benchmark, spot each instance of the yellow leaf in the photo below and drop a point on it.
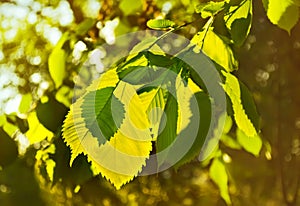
(37, 132)
(184, 94)
(122, 157)
(216, 49)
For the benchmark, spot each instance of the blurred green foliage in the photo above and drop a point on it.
(35, 35)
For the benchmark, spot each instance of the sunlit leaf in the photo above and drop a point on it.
(228, 125)
(25, 103)
(143, 45)
(238, 21)
(2, 120)
(210, 8)
(218, 174)
(250, 144)
(233, 90)
(75, 131)
(10, 128)
(64, 95)
(249, 105)
(216, 49)
(204, 106)
(122, 157)
(154, 102)
(102, 113)
(133, 60)
(43, 155)
(285, 14)
(160, 24)
(56, 64)
(230, 142)
(37, 132)
(183, 96)
(141, 75)
(56, 61)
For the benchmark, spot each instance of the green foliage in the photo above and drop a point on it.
(168, 133)
(216, 48)
(25, 103)
(161, 107)
(97, 112)
(238, 20)
(141, 106)
(37, 132)
(155, 102)
(130, 145)
(209, 9)
(218, 174)
(204, 106)
(250, 144)
(232, 88)
(56, 62)
(160, 24)
(285, 14)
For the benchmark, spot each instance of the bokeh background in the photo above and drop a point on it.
(30, 29)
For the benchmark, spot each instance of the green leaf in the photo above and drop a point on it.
(143, 45)
(141, 75)
(233, 90)
(160, 24)
(64, 95)
(204, 106)
(218, 174)
(10, 128)
(37, 132)
(250, 144)
(129, 148)
(25, 103)
(210, 8)
(103, 113)
(216, 49)
(284, 14)
(56, 61)
(158, 60)
(249, 105)
(228, 125)
(238, 21)
(228, 141)
(2, 120)
(138, 59)
(43, 155)
(154, 102)
(75, 131)
(122, 157)
(129, 7)
(167, 128)
(56, 65)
